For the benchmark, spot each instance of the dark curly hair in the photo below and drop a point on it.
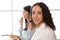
(46, 15)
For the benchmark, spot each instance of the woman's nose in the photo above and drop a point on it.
(35, 15)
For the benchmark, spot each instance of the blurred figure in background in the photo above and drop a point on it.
(28, 31)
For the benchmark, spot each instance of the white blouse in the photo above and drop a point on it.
(44, 33)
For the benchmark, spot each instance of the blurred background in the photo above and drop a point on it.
(11, 12)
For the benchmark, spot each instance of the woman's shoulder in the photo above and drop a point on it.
(50, 32)
(46, 30)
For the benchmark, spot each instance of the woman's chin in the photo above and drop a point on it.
(36, 23)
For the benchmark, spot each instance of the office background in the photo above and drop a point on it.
(11, 12)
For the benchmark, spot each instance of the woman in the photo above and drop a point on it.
(45, 27)
(27, 32)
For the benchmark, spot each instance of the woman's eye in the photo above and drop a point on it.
(39, 12)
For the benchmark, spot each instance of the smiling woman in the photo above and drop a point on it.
(44, 23)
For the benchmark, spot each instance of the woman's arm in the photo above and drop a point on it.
(14, 36)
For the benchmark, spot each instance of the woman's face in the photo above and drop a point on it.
(25, 14)
(37, 15)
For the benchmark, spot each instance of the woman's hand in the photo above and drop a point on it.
(30, 25)
(14, 36)
(21, 22)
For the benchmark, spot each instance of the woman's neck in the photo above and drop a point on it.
(38, 25)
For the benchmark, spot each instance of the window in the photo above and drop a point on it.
(53, 4)
(56, 15)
